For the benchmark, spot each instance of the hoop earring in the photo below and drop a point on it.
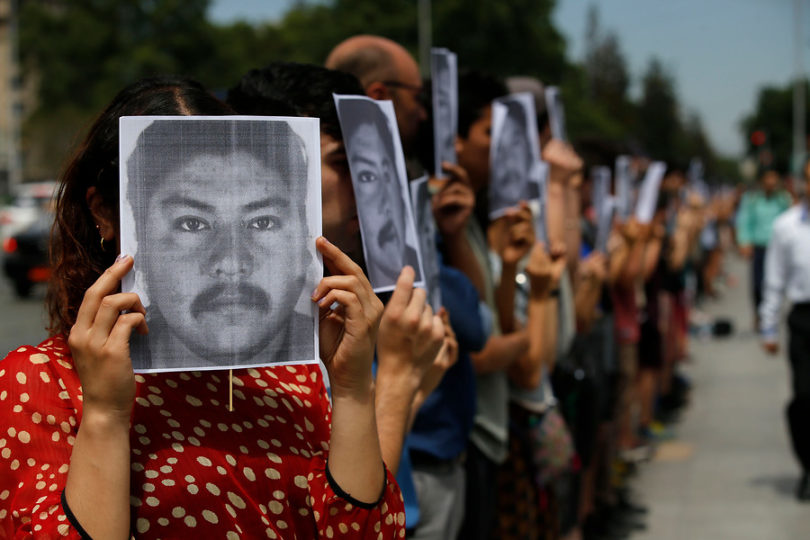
(102, 243)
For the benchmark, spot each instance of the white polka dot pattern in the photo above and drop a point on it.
(256, 472)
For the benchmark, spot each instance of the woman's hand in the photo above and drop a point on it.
(512, 235)
(453, 204)
(410, 334)
(99, 342)
(349, 332)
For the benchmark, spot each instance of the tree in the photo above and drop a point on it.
(605, 67)
(658, 114)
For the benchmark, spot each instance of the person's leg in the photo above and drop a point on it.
(799, 407)
(628, 360)
(757, 275)
(481, 499)
(440, 491)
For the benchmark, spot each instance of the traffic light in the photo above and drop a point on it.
(758, 138)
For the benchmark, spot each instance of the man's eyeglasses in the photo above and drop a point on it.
(418, 91)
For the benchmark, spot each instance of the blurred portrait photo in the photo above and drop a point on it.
(445, 107)
(426, 227)
(221, 216)
(377, 167)
(514, 153)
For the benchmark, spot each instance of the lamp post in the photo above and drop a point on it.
(799, 128)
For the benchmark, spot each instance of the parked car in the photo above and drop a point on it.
(30, 200)
(25, 258)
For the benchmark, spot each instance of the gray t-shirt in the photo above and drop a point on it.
(490, 432)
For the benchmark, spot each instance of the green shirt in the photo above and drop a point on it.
(756, 216)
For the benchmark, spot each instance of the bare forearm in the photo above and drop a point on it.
(552, 331)
(632, 267)
(680, 248)
(587, 296)
(500, 352)
(355, 458)
(651, 255)
(460, 255)
(97, 488)
(394, 409)
(527, 371)
(505, 298)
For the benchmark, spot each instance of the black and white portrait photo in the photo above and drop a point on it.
(538, 199)
(624, 187)
(605, 210)
(377, 167)
(556, 113)
(648, 191)
(514, 152)
(600, 176)
(426, 230)
(221, 216)
(444, 77)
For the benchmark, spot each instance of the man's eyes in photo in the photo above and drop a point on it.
(191, 224)
(262, 223)
(366, 177)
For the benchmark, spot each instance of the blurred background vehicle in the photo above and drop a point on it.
(25, 255)
(30, 201)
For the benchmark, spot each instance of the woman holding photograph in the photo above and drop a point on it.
(92, 450)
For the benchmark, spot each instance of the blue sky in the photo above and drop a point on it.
(720, 51)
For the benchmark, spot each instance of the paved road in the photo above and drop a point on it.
(730, 472)
(22, 322)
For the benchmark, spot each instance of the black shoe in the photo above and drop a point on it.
(803, 490)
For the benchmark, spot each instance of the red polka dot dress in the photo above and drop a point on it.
(197, 468)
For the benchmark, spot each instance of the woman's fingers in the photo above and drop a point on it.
(107, 283)
(124, 325)
(403, 292)
(110, 310)
(336, 261)
(351, 307)
(416, 306)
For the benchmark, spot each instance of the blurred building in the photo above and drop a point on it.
(10, 100)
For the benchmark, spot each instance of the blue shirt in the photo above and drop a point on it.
(442, 426)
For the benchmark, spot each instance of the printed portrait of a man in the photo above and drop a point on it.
(445, 107)
(384, 211)
(512, 159)
(224, 241)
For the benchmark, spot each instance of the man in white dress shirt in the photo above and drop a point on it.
(787, 273)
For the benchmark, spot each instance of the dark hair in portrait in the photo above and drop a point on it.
(77, 257)
(370, 113)
(293, 89)
(166, 147)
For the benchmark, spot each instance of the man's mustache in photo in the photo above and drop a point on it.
(223, 295)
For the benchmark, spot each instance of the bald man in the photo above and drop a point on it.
(387, 71)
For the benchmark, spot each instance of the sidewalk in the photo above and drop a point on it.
(730, 472)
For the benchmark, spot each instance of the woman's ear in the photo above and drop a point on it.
(103, 216)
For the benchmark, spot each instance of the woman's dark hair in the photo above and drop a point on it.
(77, 257)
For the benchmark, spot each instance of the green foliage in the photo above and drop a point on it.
(82, 53)
(504, 38)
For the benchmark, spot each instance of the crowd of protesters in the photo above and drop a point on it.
(554, 369)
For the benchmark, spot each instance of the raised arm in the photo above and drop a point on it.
(97, 488)
(452, 206)
(409, 342)
(347, 338)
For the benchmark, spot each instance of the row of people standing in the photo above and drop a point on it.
(487, 437)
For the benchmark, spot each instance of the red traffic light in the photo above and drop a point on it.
(758, 138)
